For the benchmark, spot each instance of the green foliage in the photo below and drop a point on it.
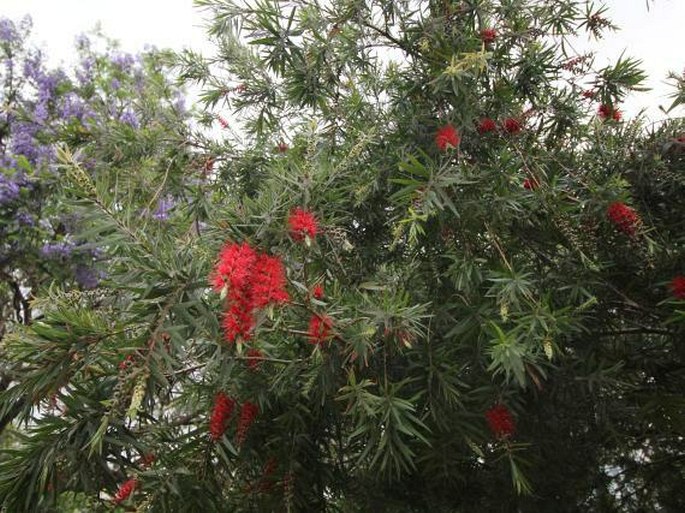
(451, 287)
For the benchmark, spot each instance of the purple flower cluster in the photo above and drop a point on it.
(59, 250)
(164, 205)
(8, 31)
(129, 117)
(9, 189)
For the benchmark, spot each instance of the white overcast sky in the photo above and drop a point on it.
(656, 36)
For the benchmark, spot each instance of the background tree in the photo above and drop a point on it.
(433, 269)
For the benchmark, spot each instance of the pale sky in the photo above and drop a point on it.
(656, 36)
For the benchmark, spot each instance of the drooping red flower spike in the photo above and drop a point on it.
(500, 421)
(511, 125)
(252, 281)
(254, 358)
(486, 125)
(248, 413)
(302, 223)
(607, 112)
(125, 490)
(447, 137)
(531, 184)
(677, 287)
(221, 414)
(488, 35)
(317, 291)
(319, 330)
(625, 218)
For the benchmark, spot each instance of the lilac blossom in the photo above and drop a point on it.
(115, 85)
(25, 219)
(129, 117)
(8, 31)
(9, 189)
(164, 205)
(124, 61)
(57, 250)
(87, 277)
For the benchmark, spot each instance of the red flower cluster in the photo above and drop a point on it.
(447, 137)
(254, 359)
(254, 280)
(125, 490)
(624, 217)
(608, 112)
(677, 287)
(146, 460)
(248, 412)
(317, 291)
(281, 147)
(511, 125)
(531, 184)
(221, 414)
(588, 94)
(302, 223)
(500, 421)
(319, 329)
(488, 35)
(222, 122)
(486, 125)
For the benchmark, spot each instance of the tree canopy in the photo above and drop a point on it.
(421, 262)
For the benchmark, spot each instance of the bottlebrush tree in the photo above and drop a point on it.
(434, 268)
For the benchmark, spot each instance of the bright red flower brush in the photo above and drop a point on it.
(319, 330)
(125, 490)
(486, 125)
(302, 223)
(248, 413)
(447, 137)
(488, 35)
(317, 291)
(254, 359)
(623, 217)
(221, 414)
(511, 125)
(530, 184)
(677, 287)
(500, 421)
(608, 112)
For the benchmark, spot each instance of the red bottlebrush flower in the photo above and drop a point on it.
(531, 184)
(488, 35)
(222, 122)
(146, 460)
(511, 125)
(266, 482)
(248, 412)
(126, 362)
(254, 359)
(500, 421)
(588, 94)
(253, 281)
(125, 490)
(302, 223)
(486, 125)
(282, 147)
(624, 217)
(317, 291)
(221, 414)
(319, 329)
(681, 139)
(269, 282)
(240, 88)
(447, 137)
(608, 112)
(677, 287)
